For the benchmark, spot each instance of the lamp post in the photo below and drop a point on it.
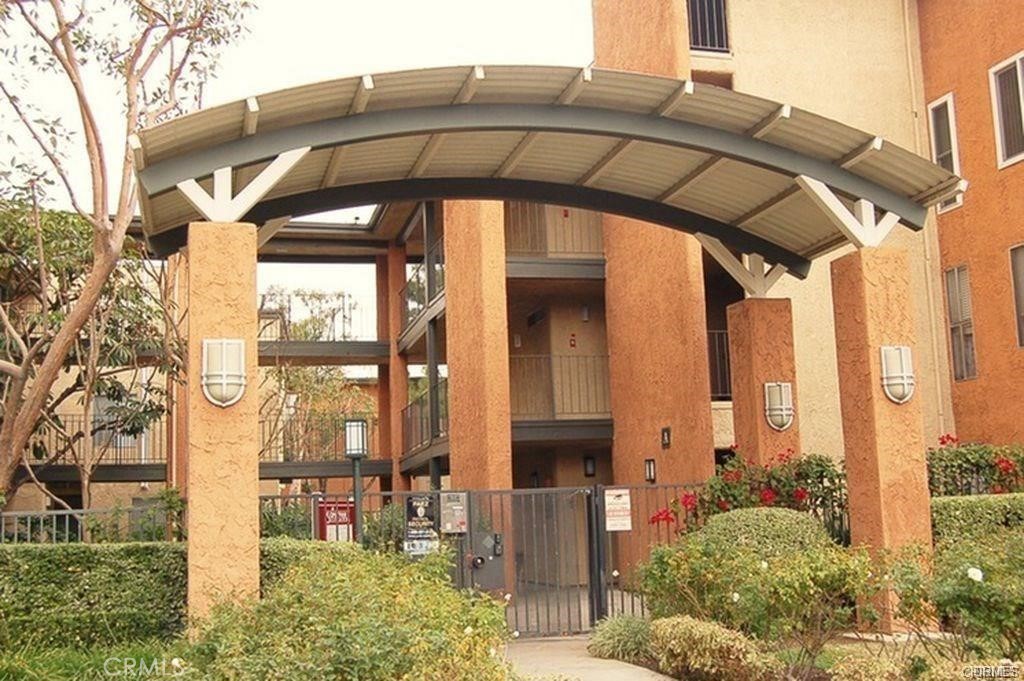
(355, 451)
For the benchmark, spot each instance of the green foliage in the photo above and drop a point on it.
(976, 589)
(770, 531)
(285, 520)
(384, 529)
(960, 469)
(90, 594)
(357, 614)
(687, 648)
(623, 638)
(861, 668)
(162, 519)
(956, 518)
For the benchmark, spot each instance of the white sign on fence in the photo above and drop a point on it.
(618, 512)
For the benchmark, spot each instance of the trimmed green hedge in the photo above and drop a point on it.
(108, 594)
(957, 518)
(90, 594)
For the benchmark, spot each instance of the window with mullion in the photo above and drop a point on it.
(945, 153)
(961, 323)
(1017, 268)
(1008, 109)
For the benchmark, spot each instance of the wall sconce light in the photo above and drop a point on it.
(897, 373)
(778, 405)
(589, 466)
(649, 470)
(223, 371)
(355, 438)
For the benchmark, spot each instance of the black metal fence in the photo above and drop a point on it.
(97, 440)
(316, 436)
(718, 360)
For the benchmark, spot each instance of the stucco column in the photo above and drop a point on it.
(476, 318)
(884, 442)
(398, 364)
(760, 351)
(654, 284)
(223, 443)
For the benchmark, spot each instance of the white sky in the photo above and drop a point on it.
(292, 42)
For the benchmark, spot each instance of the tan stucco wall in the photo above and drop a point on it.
(223, 443)
(859, 63)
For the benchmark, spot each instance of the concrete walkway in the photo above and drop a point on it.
(567, 659)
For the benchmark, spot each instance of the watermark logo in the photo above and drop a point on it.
(142, 667)
(1003, 670)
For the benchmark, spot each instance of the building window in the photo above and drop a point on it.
(945, 152)
(961, 323)
(1008, 109)
(708, 29)
(1017, 267)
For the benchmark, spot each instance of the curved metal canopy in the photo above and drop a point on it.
(759, 176)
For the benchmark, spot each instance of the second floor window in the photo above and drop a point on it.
(942, 122)
(961, 323)
(708, 29)
(1017, 267)
(1008, 109)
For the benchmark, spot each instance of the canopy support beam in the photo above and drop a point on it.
(861, 226)
(750, 273)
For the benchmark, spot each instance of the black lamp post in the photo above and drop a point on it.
(356, 451)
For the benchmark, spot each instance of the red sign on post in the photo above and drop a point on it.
(334, 520)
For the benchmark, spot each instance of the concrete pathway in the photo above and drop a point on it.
(567, 659)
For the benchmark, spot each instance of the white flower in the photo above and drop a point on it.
(493, 652)
(975, 574)
(735, 597)
(515, 634)
(467, 631)
(615, 573)
(764, 565)
(508, 597)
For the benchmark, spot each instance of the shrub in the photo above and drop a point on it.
(859, 668)
(90, 594)
(687, 648)
(770, 532)
(623, 638)
(365, 615)
(384, 529)
(962, 469)
(285, 520)
(955, 518)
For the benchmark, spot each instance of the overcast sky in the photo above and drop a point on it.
(292, 42)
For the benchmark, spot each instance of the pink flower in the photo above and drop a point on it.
(1005, 466)
(800, 495)
(664, 515)
(732, 476)
(768, 496)
(689, 501)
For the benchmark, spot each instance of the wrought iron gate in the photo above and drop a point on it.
(565, 557)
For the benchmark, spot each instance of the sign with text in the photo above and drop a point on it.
(453, 512)
(618, 511)
(334, 520)
(420, 525)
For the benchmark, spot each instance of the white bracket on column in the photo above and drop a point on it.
(860, 226)
(752, 275)
(270, 228)
(224, 206)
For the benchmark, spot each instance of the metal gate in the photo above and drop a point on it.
(563, 557)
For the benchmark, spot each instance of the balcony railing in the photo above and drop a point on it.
(312, 315)
(435, 259)
(544, 231)
(718, 358)
(559, 387)
(708, 28)
(420, 289)
(97, 440)
(314, 436)
(416, 424)
(440, 392)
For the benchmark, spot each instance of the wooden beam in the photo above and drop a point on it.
(251, 117)
(869, 148)
(362, 96)
(859, 226)
(269, 228)
(470, 85)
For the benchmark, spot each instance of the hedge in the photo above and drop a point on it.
(955, 518)
(108, 594)
(90, 594)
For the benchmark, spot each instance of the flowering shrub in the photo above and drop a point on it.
(807, 483)
(687, 648)
(959, 469)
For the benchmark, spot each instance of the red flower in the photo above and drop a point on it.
(689, 501)
(732, 476)
(664, 515)
(722, 504)
(768, 496)
(800, 495)
(998, 489)
(1006, 466)
(948, 440)
(734, 447)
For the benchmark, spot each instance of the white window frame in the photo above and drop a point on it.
(1013, 293)
(946, 99)
(997, 128)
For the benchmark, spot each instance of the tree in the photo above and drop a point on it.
(155, 54)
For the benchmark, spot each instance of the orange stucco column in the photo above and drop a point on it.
(397, 383)
(760, 351)
(884, 442)
(479, 417)
(223, 442)
(654, 284)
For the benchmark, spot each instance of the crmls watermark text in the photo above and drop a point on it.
(142, 667)
(1003, 670)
